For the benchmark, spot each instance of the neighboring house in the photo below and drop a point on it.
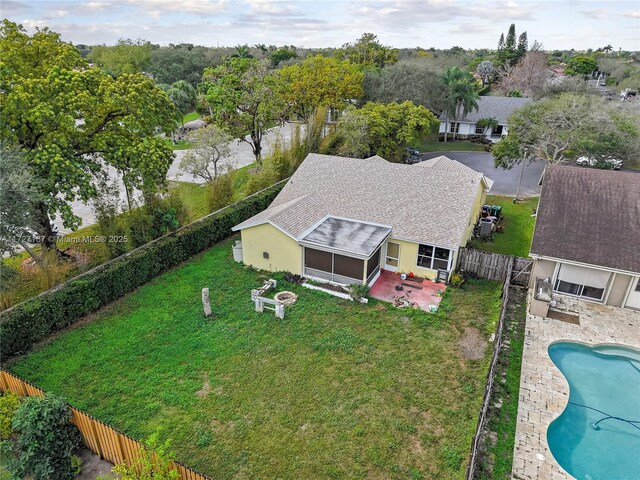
(587, 234)
(343, 219)
(499, 108)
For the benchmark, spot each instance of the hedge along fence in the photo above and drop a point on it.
(100, 438)
(31, 321)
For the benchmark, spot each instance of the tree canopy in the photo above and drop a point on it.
(71, 121)
(569, 125)
(389, 128)
(368, 50)
(319, 81)
(242, 96)
(126, 56)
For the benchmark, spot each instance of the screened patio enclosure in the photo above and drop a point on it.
(344, 251)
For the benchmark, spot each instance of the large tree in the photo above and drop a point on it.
(242, 95)
(485, 71)
(368, 50)
(569, 125)
(462, 96)
(211, 146)
(126, 56)
(389, 127)
(419, 81)
(319, 81)
(19, 197)
(71, 121)
(530, 76)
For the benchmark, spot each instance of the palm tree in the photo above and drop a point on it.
(242, 51)
(607, 49)
(462, 96)
(487, 124)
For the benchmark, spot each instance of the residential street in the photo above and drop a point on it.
(506, 181)
(241, 156)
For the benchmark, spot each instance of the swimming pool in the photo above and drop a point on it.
(597, 437)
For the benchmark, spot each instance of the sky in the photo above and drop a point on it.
(557, 24)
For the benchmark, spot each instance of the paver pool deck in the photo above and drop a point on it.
(544, 392)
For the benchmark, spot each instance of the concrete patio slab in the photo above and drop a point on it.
(424, 292)
(544, 392)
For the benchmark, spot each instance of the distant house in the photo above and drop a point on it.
(587, 235)
(342, 220)
(498, 108)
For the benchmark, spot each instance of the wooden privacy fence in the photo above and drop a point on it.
(488, 389)
(494, 266)
(100, 438)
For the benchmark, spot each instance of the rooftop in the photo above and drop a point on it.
(499, 108)
(426, 202)
(589, 216)
(361, 239)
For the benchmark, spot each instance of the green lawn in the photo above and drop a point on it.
(190, 117)
(179, 145)
(194, 196)
(335, 390)
(518, 224)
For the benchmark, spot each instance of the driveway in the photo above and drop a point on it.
(505, 181)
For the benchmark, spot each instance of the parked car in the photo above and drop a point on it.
(609, 163)
(411, 155)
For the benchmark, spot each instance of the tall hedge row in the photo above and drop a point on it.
(35, 319)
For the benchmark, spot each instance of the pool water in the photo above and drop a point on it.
(604, 382)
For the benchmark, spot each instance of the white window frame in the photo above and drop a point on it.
(482, 130)
(580, 293)
(454, 127)
(433, 257)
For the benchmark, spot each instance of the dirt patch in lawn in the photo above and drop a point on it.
(472, 344)
(206, 387)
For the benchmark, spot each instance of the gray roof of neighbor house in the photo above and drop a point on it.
(499, 108)
(589, 216)
(426, 202)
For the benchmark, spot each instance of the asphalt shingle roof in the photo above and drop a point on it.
(589, 216)
(427, 202)
(499, 108)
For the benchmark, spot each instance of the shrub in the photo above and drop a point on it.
(31, 321)
(456, 280)
(358, 291)
(220, 192)
(9, 403)
(46, 440)
(153, 463)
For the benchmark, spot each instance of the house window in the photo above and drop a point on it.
(479, 129)
(454, 127)
(582, 282)
(498, 130)
(433, 258)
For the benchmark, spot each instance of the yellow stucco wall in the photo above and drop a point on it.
(284, 252)
(480, 200)
(408, 260)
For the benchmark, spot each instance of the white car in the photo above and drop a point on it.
(611, 163)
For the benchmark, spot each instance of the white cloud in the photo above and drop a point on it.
(596, 14)
(199, 7)
(270, 7)
(632, 14)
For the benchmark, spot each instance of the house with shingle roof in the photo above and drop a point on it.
(498, 108)
(586, 241)
(344, 219)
